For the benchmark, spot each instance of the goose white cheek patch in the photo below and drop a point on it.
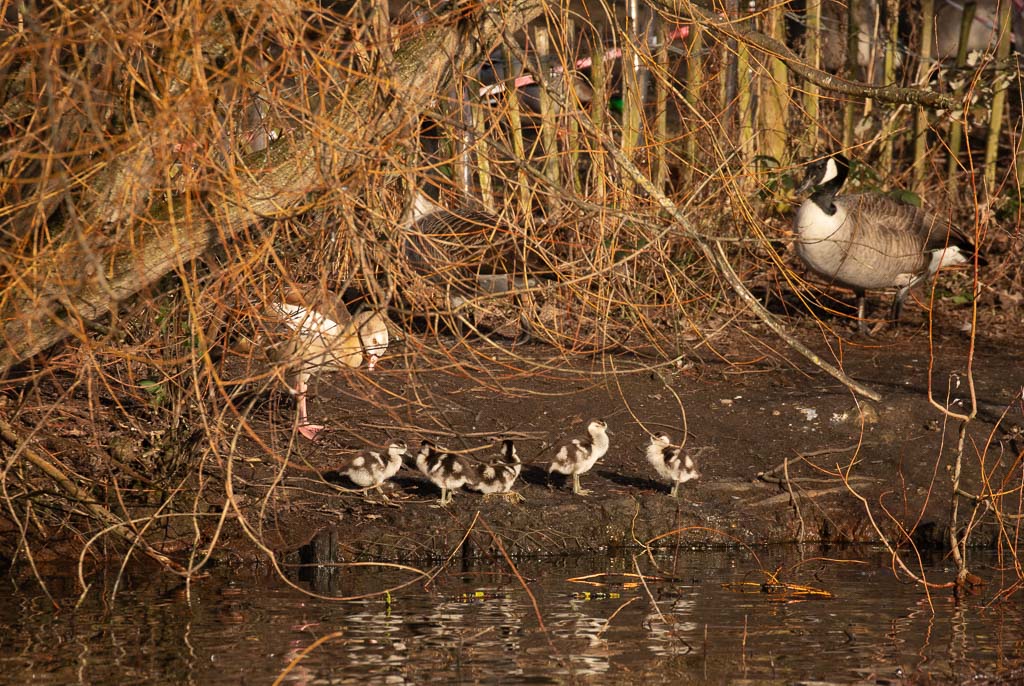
(831, 171)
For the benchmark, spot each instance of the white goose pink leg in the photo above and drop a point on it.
(305, 428)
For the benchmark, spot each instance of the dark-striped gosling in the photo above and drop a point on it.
(579, 456)
(671, 463)
(447, 471)
(372, 470)
(497, 478)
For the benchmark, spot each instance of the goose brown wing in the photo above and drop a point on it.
(459, 239)
(889, 233)
(944, 234)
(900, 223)
(324, 302)
(307, 323)
(471, 239)
(891, 218)
(278, 341)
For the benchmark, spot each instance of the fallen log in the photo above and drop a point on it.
(52, 294)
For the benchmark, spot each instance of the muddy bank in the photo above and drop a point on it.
(795, 455)
(756, 411)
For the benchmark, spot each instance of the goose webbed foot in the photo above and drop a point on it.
(310, 431)
(576, 486)
(511, 497)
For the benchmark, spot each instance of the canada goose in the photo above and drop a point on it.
(372, 470)
(307, 334)
(870, 241)
(499, 476)
(468, 252)
(579, 456)
(447, 471)
(671, 463)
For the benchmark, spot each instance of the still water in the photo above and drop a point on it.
(476, 623)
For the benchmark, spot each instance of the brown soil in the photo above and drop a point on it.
(757, 406)
(756, 411)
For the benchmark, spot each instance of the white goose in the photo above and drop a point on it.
(306, 334)
(870, 241)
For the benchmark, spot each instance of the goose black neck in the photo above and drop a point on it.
(824, 194)
(825, 191)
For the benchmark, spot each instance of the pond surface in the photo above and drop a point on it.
(475, 623)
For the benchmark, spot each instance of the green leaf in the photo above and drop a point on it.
(906, 197)
(765, 162)
(151, 386)
(156, 390)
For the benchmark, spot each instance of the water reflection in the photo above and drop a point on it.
(478, 625)
(670, 630)
(588, 652)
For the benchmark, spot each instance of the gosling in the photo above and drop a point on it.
(581, 455)
(671, 463)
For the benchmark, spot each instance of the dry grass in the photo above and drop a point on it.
(291, 137)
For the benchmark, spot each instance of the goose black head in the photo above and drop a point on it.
(831, 171)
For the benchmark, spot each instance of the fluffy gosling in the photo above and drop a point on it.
(671, 463)
(579, 456)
